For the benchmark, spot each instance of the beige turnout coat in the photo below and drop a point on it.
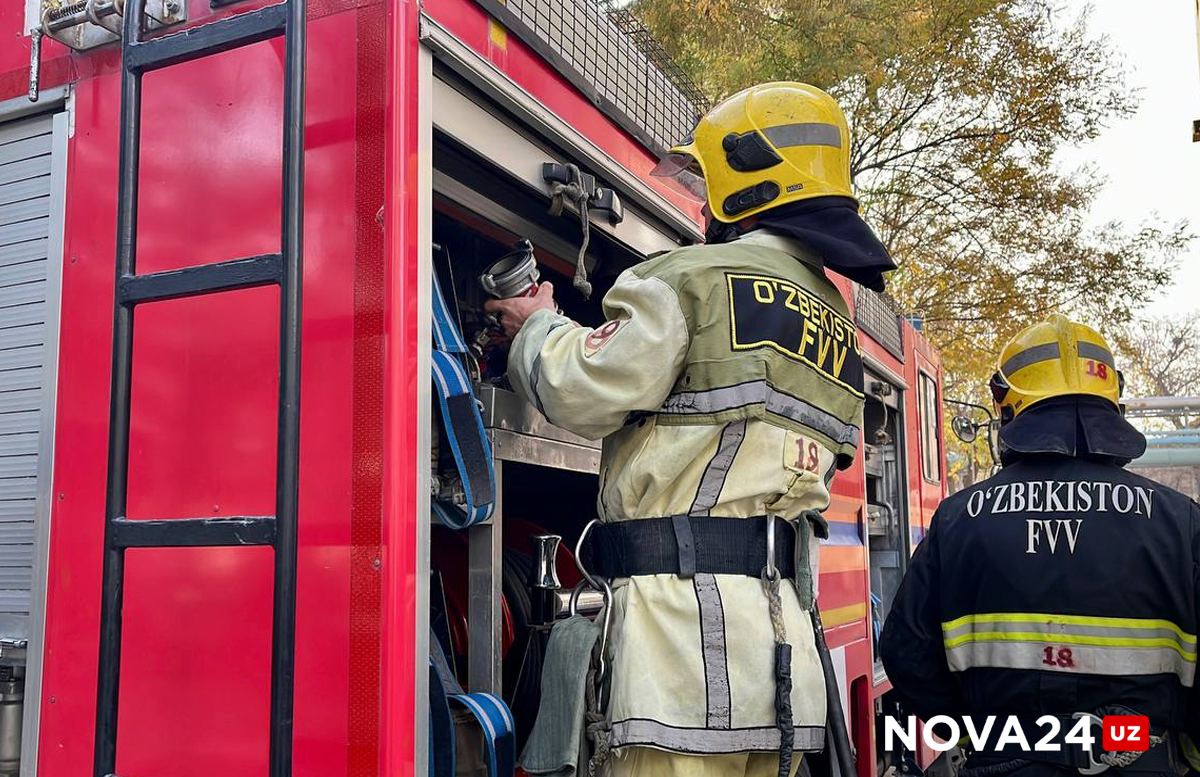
(736, 361)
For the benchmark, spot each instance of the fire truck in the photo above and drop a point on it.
(220, 222)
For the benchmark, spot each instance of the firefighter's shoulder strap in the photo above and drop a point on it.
(488, 710)
(462, 423)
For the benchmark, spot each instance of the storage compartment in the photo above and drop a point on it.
(887, 518)
(486, 603)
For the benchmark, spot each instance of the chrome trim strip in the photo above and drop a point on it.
(55, 256)
(424, 246)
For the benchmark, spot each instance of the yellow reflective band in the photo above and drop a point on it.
(1068, 620)
(1070, 639)
(840, 616)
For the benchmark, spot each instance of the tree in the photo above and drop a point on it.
(957, 109)
(1160, 356)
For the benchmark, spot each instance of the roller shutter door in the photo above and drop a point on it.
(25, 217)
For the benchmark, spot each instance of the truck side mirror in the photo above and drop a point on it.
(964, 429)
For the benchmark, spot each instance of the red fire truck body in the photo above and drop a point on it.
(411, 112)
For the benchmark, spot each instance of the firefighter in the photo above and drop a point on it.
(1064, 585)
(727, 385)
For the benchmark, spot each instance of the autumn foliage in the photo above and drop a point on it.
(958, 109)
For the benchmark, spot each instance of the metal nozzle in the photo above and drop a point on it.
(513, 275)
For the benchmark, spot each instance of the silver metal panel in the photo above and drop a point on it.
(14, 423)
(17, 510)
(24, 272)
(21, 356)
(520, 433)
(17, 401)
(14, 601)
(9, 554)
(23, 210)
(18, 444)
(477, 127)
(18, 577)
(509, 446)
(18, 131)
(17, 380)
(24, 190)
(18, 466)
(25, 148)
(500, 215)
(23, 293)
(24, 252)
(15, 533)
(18, 488)
(505, 410)
(23, 169)
(24, 230)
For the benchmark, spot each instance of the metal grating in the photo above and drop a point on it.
(879, 316)
(606, 53)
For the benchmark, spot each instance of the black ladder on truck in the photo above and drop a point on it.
(139, 57)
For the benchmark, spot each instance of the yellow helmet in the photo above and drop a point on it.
(764, 147)
(1055, 358)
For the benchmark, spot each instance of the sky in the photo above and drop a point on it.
(1149, 158)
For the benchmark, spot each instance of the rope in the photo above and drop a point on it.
(775, 606)
(596, 727)
(1119, 759)
(573, 191)
(783, 675)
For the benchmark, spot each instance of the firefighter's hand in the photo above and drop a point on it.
(513, 313)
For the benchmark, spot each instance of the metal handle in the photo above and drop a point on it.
(600, 585)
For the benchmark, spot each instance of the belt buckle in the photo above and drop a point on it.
(1093, 766)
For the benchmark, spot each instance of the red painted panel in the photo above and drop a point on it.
(402, 458)
(194, 685)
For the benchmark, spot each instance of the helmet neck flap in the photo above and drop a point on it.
(1078, 425)
(831, 229)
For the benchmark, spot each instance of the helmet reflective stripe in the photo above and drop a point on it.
(1038, 353)
(1096, 353)
(768, 146)
(804, 134)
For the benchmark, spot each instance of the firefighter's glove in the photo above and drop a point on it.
(514, 312)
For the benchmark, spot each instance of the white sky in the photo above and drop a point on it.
(1149, 158)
